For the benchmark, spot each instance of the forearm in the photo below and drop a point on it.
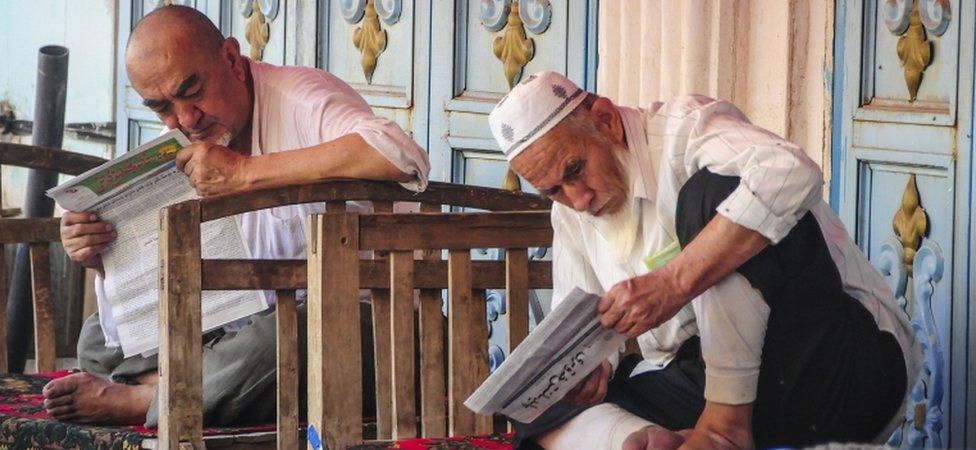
(346, 157)
(718, 250)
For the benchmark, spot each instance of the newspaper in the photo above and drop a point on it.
(128, 192)
(558, 354)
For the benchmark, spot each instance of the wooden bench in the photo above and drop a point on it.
(38, 234)
(337, 274)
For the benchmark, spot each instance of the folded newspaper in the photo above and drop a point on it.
(128, 192)
(559, 353)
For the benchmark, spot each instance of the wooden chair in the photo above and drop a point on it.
(335, 275)
(38, 234)
(184, 275)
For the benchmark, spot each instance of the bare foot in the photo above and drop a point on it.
(85, 398)
(654, 437)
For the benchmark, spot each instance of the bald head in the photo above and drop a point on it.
(173, 27)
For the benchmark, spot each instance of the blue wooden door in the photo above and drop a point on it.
(903, 186)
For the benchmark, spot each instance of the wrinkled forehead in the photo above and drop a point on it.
(542, 159)
(161, 65)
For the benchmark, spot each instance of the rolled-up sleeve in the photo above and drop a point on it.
(342, 111)
(779, 182)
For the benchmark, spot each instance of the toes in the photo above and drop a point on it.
(54, 402)
(59, 387)
(63, 412)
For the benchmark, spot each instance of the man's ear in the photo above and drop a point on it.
(231, 52)
(607, 118)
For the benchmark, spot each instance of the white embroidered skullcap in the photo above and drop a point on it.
(531, 109)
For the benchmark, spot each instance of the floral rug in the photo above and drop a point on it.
(24, 424)
(495, 442)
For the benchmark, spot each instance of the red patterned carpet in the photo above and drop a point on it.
(25, 425)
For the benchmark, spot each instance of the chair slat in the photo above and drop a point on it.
(19, 230)
(3, 311)
(433, 412)
(334, 349)
(351, 190)
(46, 158)
(517, 298)
(335, 206)
(180, 352)
(517, 295)
(287, 353)
(44, 348)
(244, 274)
(467, 345)
(382, 350)
(455, 231)
(402, 339)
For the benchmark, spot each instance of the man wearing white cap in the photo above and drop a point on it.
(769, 327)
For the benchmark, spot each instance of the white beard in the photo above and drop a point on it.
(621, 230)
(224, 139)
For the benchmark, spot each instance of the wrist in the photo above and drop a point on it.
(728, 425)
(250, 177)
(680, 282)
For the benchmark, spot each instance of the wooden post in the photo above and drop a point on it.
(402, 345)
(467, 344)
(517, 295)
(3, 310)
(432, 328)
(287, 338)
(335, 405)
(382, 352)
(44, 349)
(180, 351)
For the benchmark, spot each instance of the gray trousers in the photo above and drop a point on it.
(239, 370)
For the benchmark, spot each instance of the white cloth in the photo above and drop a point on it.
(531, 109)
(297, 107)
(604, 426)
(669, 142)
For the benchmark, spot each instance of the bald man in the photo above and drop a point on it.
(253, 126)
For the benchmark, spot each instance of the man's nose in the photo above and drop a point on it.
(579, 196)
(188, 115)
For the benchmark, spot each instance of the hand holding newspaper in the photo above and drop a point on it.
(558, 354)
(128, 192)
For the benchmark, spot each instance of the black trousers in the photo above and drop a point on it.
(827, 372)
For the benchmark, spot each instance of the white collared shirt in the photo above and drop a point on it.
(669, 142)
(297, 107)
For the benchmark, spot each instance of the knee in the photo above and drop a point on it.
(697, 201)
(91, 335)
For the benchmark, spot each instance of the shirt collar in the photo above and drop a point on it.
(642, 177)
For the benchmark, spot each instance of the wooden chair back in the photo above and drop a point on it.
(185, 275)
(37, 234)
(335, 275)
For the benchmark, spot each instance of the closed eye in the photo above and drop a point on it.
(571, 173)
(573, 170)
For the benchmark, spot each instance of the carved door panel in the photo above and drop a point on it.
(481, 48)
(136, 124)
(907, 74)
(261, 27)
(379, 48)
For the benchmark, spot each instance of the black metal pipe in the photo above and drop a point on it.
(52, 87)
